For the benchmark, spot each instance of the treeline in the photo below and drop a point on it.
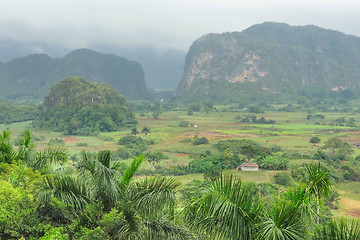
(11, 112)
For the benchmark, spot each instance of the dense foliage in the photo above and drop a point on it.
(75, 106)
(11, 112)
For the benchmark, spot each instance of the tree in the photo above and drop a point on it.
(318, 184)
(146, 131)
(315, 140)
(229, 210)
(140, 209)
(154, 157)
(212, 173)
(338, 147)
(6, 147)
(134, 131)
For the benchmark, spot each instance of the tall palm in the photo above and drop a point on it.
(288, 217)
(102, 174)
(230, 210)
(318, 184)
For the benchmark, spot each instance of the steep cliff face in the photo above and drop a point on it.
(33, 76)
(274, 57)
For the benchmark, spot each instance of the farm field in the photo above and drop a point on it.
(291, 131)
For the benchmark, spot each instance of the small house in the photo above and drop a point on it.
(357, 145)
(248, 166)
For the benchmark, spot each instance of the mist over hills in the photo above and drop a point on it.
(271, 59)
(163, 68)
(33, 76)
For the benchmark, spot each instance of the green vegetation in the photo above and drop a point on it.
(75, 107)
(11, 112)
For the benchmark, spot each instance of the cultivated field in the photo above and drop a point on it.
(291, 131)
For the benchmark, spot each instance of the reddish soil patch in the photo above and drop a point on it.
(149, 119)
(354, 213)
(182, 154)
(236, 124)
(70, 139)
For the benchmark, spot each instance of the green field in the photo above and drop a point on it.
(291, 132)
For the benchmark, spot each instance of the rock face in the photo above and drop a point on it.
(32, 76)
(273, 58)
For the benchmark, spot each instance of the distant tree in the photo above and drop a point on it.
(156, 115)
(190, 112)
(315, 140)
(134, 131)
(212, 173)
(146, 131)
(338, 148)
(154, 157)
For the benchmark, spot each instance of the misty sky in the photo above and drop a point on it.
(161, 23)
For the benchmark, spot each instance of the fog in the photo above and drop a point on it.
(161, 24)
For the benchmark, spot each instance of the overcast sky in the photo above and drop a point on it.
(161, 23)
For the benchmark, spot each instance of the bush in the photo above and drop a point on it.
(273, 163)
(283, 178)
(199, 141)
(56, 141)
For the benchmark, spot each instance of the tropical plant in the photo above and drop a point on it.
(318, 184)
(6, 147)
(339, 230)
(230, 210)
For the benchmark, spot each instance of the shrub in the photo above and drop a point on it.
(283, 178)
(199, 141)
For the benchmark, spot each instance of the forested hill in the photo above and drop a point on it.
(33, 76)
(271, 58)
(75, 106)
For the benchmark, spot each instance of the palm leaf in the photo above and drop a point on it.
(69, 190)
(229, 211)
(130, 171)
(154, 194)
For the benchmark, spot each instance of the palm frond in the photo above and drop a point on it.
(165, 229)
(69, 190)
(282, 221)
(339, 230)
(229, 210)
(130, 171)
(51, 155)
(154, 194)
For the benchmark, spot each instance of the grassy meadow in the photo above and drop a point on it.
(291, 131)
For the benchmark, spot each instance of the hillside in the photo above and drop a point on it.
(75, 106)
(33, 76)
(271, 59)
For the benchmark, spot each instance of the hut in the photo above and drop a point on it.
(248, 166)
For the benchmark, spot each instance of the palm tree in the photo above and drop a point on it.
(26, 147)
(6, 147)
(102, 175)
(290, 216)
(318, 184)
(140, 208)
(230, 210)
